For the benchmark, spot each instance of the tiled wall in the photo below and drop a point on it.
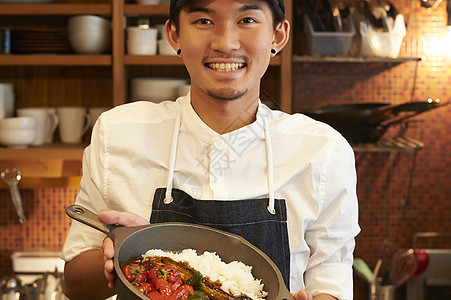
(46, 226)
(384, 178)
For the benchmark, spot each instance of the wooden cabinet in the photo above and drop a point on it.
(94, 80)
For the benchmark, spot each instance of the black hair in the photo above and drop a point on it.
(277, 8)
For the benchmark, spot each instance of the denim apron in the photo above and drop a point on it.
(263, 222)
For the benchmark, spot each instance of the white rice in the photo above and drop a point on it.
(236, 277)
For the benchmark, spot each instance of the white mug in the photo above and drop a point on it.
(41, 115)
(51, 125)
(95, 113)
(74, 122)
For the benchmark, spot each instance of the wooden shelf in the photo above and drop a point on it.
(168, 60)
(150, 10)
(54, 151)
(351, 59)
(58, 164)
(55, 60)
(54, 9)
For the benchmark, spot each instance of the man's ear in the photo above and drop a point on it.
(281, 35)
(172, 35)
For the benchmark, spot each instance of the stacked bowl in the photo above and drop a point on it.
(17, 132)
(89, 34)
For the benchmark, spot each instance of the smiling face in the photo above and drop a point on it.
(226, 46)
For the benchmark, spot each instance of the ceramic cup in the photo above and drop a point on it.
(42, 117)
(51, 125)
(74, 122)
(7, 100)
(95, 112)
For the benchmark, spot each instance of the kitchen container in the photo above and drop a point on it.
(28, 262)
(142, 40)
(164, 48)
(328, 42)
(434, 282)
(383, 44)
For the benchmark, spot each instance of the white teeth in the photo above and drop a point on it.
(225, 67)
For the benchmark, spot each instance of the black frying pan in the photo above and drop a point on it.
(131, 242)
(368, 122)
(368, 113)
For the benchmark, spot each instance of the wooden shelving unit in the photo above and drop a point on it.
(55, 164)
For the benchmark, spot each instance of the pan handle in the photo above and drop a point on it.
(285, 295)
(85, 216)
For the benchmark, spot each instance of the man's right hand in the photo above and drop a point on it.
(126, 219)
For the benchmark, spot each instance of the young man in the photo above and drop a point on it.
(284, 182)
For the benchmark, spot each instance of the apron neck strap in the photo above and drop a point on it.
(269, 165)
(173, 154)
(269, 160)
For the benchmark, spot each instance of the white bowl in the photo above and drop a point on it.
(88, 21)
(89, 30)
(18, 123)
(90, 43)
(17, 138)
(155, 89)
(142, 48)
(148, 1)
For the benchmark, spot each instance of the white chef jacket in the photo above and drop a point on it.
(314, 171)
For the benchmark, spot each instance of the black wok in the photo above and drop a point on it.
(132, 242)
(366, 113)
(368, 122)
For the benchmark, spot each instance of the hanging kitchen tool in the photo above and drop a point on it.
(375, 278)
(367, 122)
(403, 267)
(132, 242)
(12, 177)
(361, 267)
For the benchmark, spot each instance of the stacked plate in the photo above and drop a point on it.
(42, 40)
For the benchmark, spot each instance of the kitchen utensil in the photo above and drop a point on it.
(132, 242)
(422, 258)
(12, 288)
(374, 280)
(367, 122)
(12, 177)
(336, 15)
(362, 268)
(404, 266)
